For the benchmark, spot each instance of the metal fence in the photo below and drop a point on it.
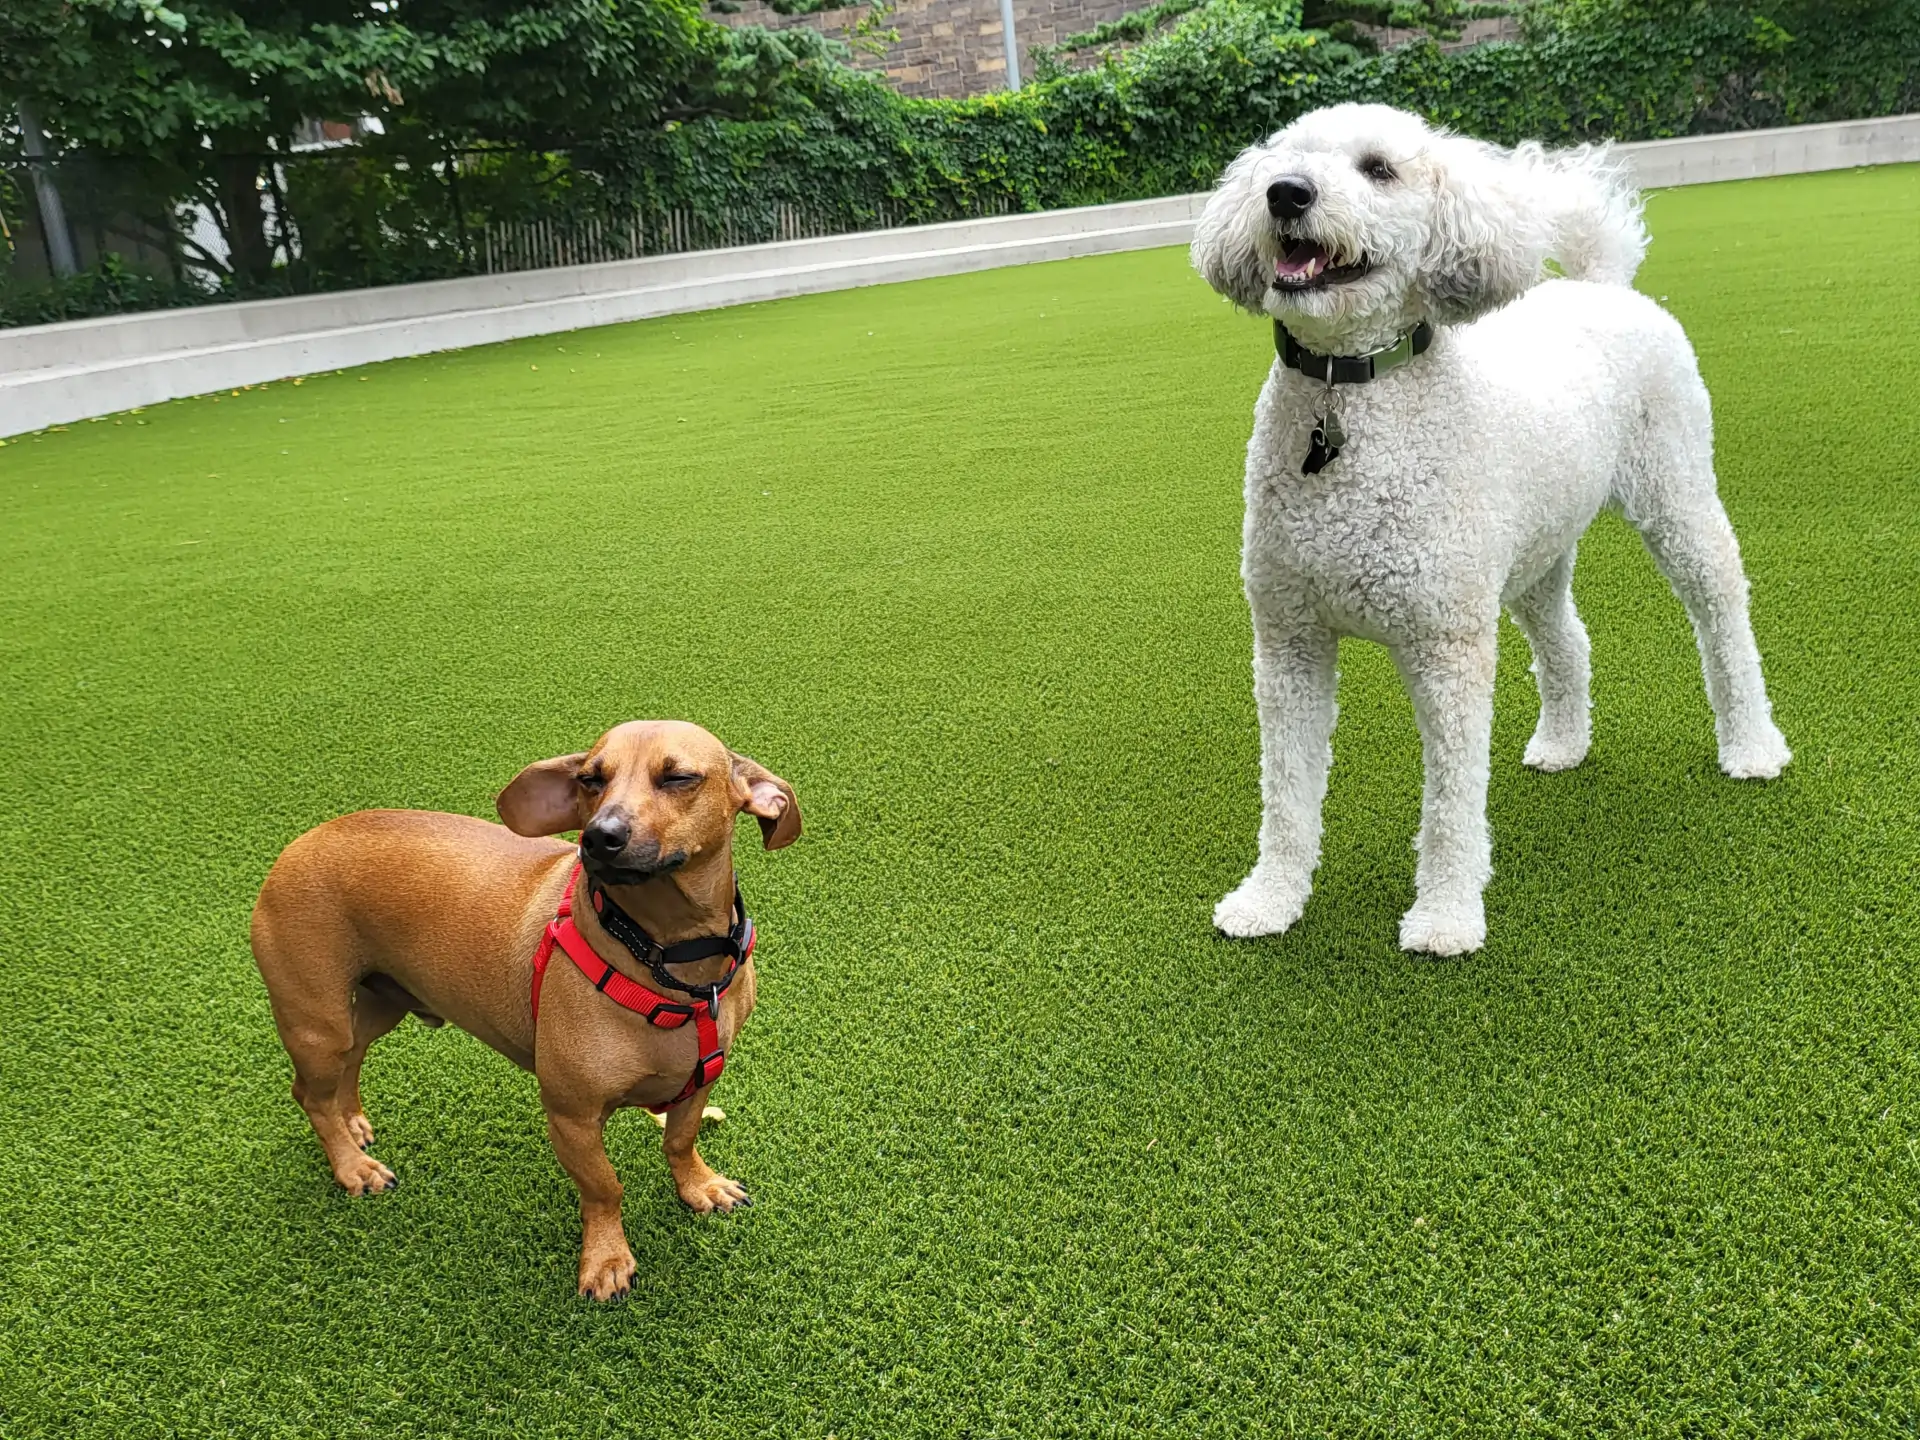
(101, 213)
(376, 226)
(543, 244)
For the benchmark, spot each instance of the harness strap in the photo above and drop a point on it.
(656, 1009)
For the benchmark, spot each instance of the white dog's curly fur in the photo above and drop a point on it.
(1469, 474)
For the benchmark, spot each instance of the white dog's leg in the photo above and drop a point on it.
(1695, 548)
(1561, 668)
(1451, 681)
(1668, 492)
(1294, 681)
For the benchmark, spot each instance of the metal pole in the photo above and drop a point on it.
(53, 215)
(1013, 45)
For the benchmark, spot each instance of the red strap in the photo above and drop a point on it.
(630, 994)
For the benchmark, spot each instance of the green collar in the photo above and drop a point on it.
(1351, 369)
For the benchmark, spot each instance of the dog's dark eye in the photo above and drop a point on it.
(1376, 169)
(593, 782)
(679, 780)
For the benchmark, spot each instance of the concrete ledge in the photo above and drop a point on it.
(53, 374)
(1789, 150)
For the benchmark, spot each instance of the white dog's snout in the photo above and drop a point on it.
(1291, 196)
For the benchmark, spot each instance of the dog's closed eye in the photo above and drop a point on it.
(679, 779)
(593, 781)
(1376, 169)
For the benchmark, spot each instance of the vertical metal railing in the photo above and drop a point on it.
(629, 235)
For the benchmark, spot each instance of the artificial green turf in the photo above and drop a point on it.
(1035, 1152)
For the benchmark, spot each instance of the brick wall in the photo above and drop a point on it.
(951, 47)
(1474, 32)
(955, 47)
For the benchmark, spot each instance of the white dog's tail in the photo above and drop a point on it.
(1598, 233)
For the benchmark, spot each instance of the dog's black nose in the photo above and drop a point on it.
(606, 835)
(1290, 197)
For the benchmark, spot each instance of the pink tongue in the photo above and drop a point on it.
(1301, 260)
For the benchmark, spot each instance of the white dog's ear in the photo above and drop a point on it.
(1223, 250)
(1486, 242)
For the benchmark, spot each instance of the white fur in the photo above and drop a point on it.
(1468, 477)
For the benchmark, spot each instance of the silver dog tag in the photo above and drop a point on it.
(1332, 428)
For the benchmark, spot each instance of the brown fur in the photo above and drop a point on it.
(385, 912)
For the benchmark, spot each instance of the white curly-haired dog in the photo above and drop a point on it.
(1488, 412)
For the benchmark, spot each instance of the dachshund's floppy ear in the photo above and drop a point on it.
(769, 799)
(1223, 250)
(540, 800)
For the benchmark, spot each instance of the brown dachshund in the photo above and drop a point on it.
(620, 980)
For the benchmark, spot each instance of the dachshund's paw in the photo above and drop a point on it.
(1259, 907)
(360, 1128)
(715, 1192)
(606, 1274)
(364, 1175)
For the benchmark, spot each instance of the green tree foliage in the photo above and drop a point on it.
(199, 93)
(206, 94)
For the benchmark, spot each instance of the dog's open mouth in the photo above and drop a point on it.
(1308, 265)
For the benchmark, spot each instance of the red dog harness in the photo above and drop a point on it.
(657, 1009)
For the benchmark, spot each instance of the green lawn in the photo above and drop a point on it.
(1035, 1152)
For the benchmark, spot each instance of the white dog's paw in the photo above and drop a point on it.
(1259, 907)
(1759, 756)
(1457, 929)
(1551, 752)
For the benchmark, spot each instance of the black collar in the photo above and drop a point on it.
(1351, 369)
(737, 943)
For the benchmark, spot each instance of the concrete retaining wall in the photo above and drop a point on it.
(52, 374)
(1790, 150)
